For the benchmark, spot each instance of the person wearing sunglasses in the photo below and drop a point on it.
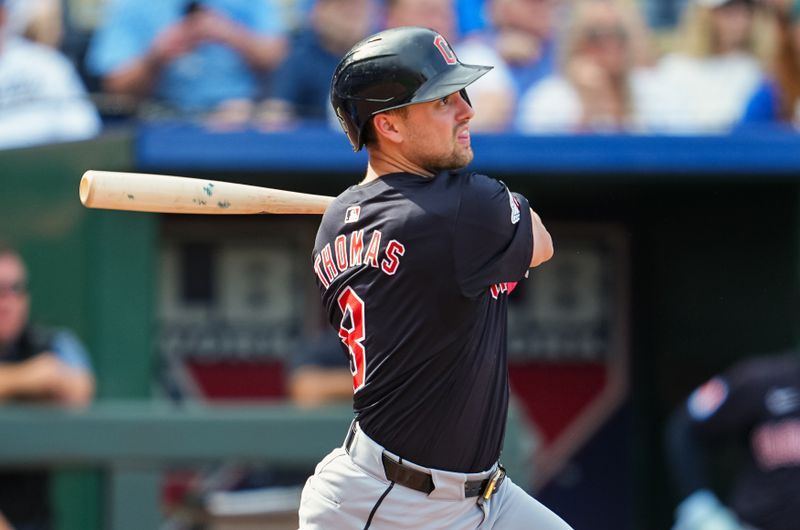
(717, 63)
(36, 365)
(600, 87)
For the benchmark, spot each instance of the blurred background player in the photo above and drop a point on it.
(36, 365)
(756, 406)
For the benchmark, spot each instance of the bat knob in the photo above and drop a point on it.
(86, 188)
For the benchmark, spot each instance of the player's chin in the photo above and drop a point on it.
(456, 159)
(462, 157)
(454, 163)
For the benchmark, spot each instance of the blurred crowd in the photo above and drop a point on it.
(560, 66)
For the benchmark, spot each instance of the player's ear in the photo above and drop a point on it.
(386, 126)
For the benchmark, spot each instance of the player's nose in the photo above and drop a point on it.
(465, 110)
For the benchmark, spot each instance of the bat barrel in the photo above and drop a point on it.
(143, 192)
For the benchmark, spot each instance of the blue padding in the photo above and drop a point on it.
(191, 147)
(762, 151)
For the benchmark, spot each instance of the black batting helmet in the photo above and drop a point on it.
(392, 69)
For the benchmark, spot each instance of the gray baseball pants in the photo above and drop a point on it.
(349, 491)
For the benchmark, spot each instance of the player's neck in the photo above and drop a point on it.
(383, 163)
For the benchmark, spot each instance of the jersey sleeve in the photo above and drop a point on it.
(493, 240)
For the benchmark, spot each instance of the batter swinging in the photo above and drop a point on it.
(415, 264)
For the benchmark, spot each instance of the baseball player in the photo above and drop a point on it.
(755, 403)
(415, 264)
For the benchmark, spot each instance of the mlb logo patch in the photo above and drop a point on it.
(512, 201)
(352, 214)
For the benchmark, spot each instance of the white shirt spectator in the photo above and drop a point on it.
(42, 98)
(706, 95)
(476, 51)
(493, 96)
(553, 106)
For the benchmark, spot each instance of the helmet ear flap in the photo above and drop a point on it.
(464, 95)
(350, 128)
(343, 119)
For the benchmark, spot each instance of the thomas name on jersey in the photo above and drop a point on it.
(347, 252)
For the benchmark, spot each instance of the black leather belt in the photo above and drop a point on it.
(421, 481)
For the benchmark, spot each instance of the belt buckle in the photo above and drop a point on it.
(494, 483)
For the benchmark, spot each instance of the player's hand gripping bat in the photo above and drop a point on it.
(142, 192)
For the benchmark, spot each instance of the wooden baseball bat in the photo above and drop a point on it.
(143, 192)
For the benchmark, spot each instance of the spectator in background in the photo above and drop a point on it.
(42, 98)
(777, 98)
(37, 20)
(600, 87)
(471, 16)
(38, 365)
(301, 84)
(755, 404)
(525, 38)
(521, 45)
(717, 66)
(190, 56)
(439, 15)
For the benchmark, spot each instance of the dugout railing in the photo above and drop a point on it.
(134, 442)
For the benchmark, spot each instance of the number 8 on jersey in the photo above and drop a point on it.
(352, 336)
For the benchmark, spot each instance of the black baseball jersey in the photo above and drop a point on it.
(758, 401)
(414, 274)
